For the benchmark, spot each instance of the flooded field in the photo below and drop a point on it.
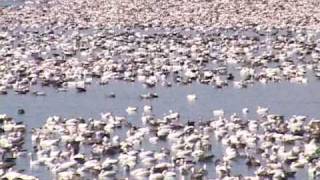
(118, 89)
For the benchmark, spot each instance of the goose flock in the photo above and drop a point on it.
(71, 44)
(179, 13)
(237, 57)
(111, 147)
(11, 147)
(65, 54)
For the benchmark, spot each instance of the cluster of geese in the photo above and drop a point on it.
(190, 13)
(167, 148)
(71, 44)
(12, 139)
(72, 58)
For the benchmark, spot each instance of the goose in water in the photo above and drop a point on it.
(223, 169)
(68, 175)
(153, 140)
(218, 113)
(191, 97)
(140, 173)
(81, 86)
(39, 93)
(169, 175)
(149, 96)
(107, 174)
(16, 175)
(311, 147)
(156, 176)
(63, 167)
(131, 110)
(230, 154)
(147, 108)
(314, 170)
(245, 111)
(34, 163)
(261, 111)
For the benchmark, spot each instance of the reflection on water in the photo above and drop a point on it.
(283, 98)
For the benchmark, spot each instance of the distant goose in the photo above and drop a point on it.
(191, 97)
(81, 86)
(15, 175)
(39, 93)
(218, 113)
(245, 111)
(149, 96)
(262, 111)
(147, 108)
(131, 110)
(35, 163)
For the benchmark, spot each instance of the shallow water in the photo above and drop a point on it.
(10, 3)
(283, 98)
